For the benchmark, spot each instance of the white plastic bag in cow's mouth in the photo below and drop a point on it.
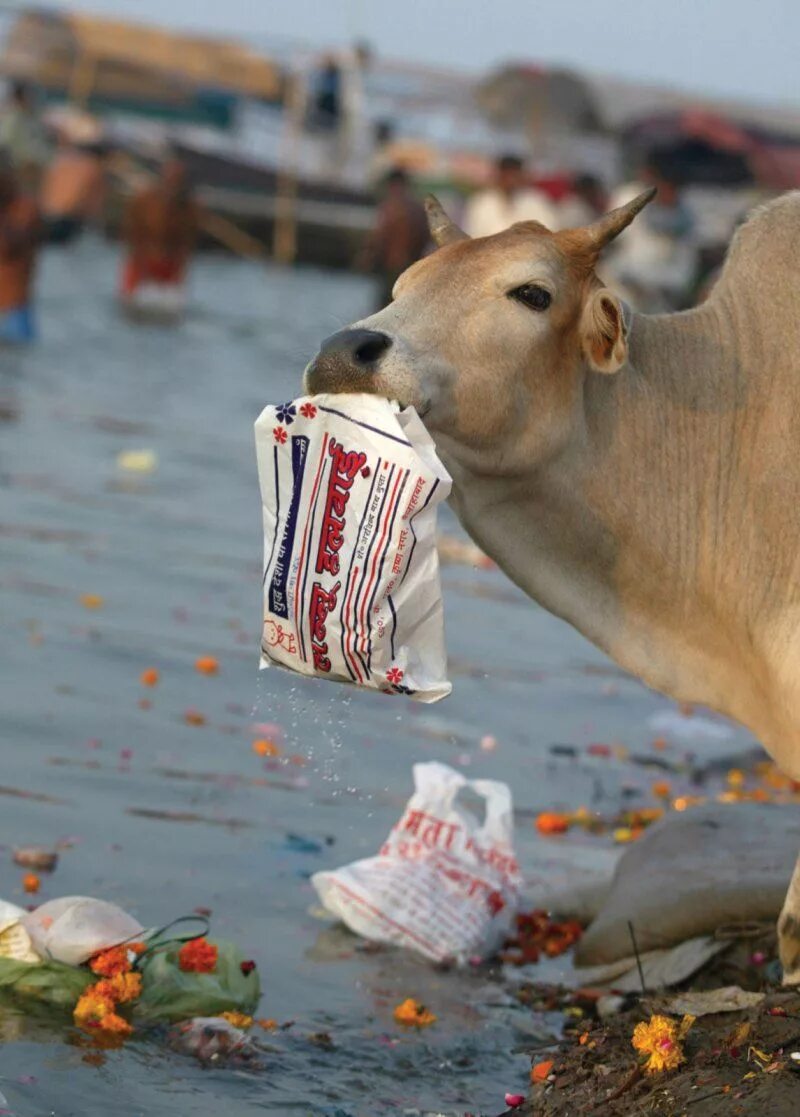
(350, 486)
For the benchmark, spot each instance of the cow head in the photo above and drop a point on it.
(491, 339)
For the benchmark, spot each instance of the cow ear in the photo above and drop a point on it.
(603, 333)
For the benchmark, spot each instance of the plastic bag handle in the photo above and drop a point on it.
(164, 943)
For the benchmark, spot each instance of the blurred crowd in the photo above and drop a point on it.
(50, 192)
(656, 264)
(52, 188)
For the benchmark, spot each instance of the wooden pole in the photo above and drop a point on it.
(82, 79)
(284, 241)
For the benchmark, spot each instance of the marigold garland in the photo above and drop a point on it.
(96, 1008)
(198, 956)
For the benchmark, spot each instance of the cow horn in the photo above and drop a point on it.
(602, 232)
(443, 230)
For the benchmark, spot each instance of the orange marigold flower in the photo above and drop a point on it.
(92, 601)
(266, 748)
(541, 1071)
(194, 717)
(198, 956)
(31, 883)
(413, 1014)
(207, 665)
(549, 822)
(268, 1024)
(149, 677)
(659, 1039)
(122, 988)
(662, 789)
(92, 1008)
(109, 963)
(113, 1024)
(238, 1019)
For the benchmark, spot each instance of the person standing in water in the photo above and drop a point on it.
(73, 191)
(400, 235)
(20, 235)
(22, 136)
(160, 230)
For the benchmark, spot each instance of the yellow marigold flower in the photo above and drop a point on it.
(412, 1013)
(238, 1019)
(92, 1007)
(659, 1039)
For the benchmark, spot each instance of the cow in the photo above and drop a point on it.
(638, 476)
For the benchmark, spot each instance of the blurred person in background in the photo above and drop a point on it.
(400, 235)
(20, 234)
(507, 201)
(160, 229)
(584, 204)
(74, 186)
(655, 260)
(23, 137)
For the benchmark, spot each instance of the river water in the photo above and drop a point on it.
(164, 817)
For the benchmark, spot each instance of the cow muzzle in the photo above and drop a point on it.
(347, 361)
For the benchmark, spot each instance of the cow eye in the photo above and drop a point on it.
(530, 294)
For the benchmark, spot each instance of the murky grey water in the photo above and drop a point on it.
(176, 557)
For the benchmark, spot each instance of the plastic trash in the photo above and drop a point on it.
(443, 884)
(210, 1038)
(73, 928)
(350, 486)
(15, 942)
(170, 993)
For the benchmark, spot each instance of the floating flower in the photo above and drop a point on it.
(92, 1008)
(268, 1025)
(194, 717)
(280, 435)
(413, 1014)
(394, 676)
(514, 1101)
(286, 413)
(121, 989)
(238, 1020)
(247, 967)
(660, 1040)
(109, 963)
(549, 822)
(92, 601)
(207, 665)
(661, 789)
(31, 883)
(149, 677)
(198, 956)
(308, 411)
(540, 1072)
(263, 747)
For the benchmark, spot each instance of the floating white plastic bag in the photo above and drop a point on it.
(73, 928)
(350, 487)
(443, 884)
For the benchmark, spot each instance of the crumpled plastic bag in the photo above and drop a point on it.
(212, 1039)
(350, 487)
(51, 983)
(443, 884)
(15, 942)
(73, 928)
(168, 993)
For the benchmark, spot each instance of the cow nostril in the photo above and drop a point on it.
(372, 348)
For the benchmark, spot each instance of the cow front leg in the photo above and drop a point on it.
(789, 931)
